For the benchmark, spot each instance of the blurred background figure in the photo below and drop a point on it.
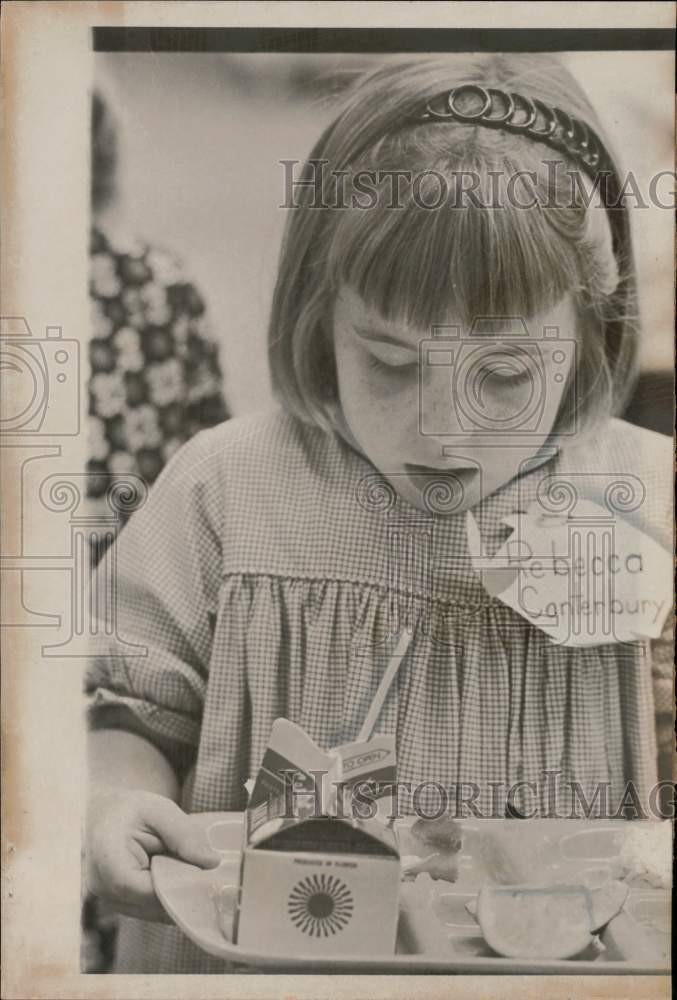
(155, 380)
(155, 374)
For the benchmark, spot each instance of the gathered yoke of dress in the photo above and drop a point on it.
(271, 568)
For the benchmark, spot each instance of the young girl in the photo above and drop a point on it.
(434, 245)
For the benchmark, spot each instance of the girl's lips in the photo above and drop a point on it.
(463, 474)
(448, 490)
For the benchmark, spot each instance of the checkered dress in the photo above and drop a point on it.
(266, 576)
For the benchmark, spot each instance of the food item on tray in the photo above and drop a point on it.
(528, 922)
(440, 834)
(435, 846)
(646, 854)
(549, 922)
(503, 854)
(441, 865)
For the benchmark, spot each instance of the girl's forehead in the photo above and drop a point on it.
(352, 308)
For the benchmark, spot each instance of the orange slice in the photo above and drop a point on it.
(535, 922)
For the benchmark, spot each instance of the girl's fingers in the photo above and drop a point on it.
(121, 876)
(127, 832)
(182, 836)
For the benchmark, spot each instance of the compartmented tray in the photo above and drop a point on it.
(436, 932)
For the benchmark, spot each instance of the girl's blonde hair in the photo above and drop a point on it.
(467, 258)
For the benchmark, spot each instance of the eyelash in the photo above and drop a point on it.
(380, 366)
(511, 380)
(375, 364)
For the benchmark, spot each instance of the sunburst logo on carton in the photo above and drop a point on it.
(320, 905)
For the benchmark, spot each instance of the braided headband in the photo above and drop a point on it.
(472, 104)
(511, 112)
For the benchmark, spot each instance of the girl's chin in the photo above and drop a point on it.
(441, 493)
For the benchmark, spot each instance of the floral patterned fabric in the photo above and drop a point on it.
(155, 373)
(155, 381)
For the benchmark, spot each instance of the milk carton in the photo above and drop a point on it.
(321, 870)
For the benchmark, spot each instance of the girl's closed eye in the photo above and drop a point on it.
(506, 372)
(508, 367)
(393, 367)
(389, 358)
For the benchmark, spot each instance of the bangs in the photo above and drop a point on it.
(467, 258)
(445, 250)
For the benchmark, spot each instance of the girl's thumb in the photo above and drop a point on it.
(185, 838)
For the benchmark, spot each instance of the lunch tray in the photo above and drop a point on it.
(436, 933)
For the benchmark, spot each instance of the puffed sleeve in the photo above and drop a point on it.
(166, 573)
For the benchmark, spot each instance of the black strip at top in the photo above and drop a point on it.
(368, 40)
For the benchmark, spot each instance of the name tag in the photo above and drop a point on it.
(585, 581)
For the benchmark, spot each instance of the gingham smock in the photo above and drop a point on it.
(263, 576)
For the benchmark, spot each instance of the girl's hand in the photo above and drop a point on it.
(125, 829)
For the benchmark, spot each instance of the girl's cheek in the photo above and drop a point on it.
(393, 409)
